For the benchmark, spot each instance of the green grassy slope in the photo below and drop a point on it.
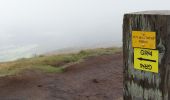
(52, 63)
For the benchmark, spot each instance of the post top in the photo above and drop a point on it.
(152, 12)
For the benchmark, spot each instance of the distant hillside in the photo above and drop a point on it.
(77, 49)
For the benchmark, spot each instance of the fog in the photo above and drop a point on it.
(29, 27)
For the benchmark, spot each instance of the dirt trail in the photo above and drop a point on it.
(97, 78)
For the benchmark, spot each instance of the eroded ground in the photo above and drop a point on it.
(96, 78)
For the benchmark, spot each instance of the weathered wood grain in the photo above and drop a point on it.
(142, 85)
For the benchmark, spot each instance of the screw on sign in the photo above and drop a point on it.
(146, 51)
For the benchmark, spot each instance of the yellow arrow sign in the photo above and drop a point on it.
(146, 59)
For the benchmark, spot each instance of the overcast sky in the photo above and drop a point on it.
(47, 25)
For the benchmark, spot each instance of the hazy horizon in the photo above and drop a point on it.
(30, 27)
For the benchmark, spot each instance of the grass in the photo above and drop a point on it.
(52, 63)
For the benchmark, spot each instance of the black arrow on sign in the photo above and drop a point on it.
(147, 59)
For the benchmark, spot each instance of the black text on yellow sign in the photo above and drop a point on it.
(142, 39)
(146, 59)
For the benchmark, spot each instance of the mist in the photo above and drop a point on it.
(29, 27)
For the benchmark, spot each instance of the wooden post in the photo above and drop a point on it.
(146, 49)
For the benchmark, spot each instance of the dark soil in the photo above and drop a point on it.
(96, 78)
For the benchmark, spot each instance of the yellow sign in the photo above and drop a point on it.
(146, 59)
(143, 39)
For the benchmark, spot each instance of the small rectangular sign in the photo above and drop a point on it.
(142, 39)
(146, 59)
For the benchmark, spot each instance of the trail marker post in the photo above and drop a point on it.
(146, 50)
